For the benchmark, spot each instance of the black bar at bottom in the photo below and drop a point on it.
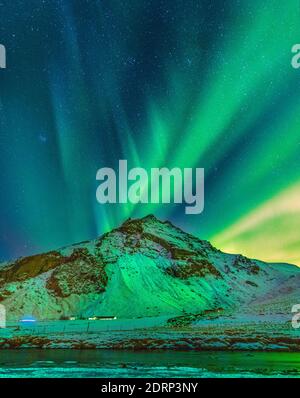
(133, 387)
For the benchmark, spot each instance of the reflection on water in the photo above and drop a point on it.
(103, 363)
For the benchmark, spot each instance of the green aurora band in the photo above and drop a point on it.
(159, 83)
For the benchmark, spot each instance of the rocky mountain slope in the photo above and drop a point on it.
(145, 268)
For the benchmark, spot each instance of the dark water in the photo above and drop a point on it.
(99, 363)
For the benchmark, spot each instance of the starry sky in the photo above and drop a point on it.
(185, 83)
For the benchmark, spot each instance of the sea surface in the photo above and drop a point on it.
(35, 363)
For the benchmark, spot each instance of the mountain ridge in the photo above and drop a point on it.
(145, 267)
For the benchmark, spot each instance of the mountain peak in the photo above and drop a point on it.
(145, 219)
(150, 219)
(138, 225)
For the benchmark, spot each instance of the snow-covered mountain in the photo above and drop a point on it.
(145, 268)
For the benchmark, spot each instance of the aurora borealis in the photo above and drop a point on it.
(185, 83)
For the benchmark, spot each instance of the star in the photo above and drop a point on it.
(42, 138)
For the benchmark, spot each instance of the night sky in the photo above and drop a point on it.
(186, 83)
